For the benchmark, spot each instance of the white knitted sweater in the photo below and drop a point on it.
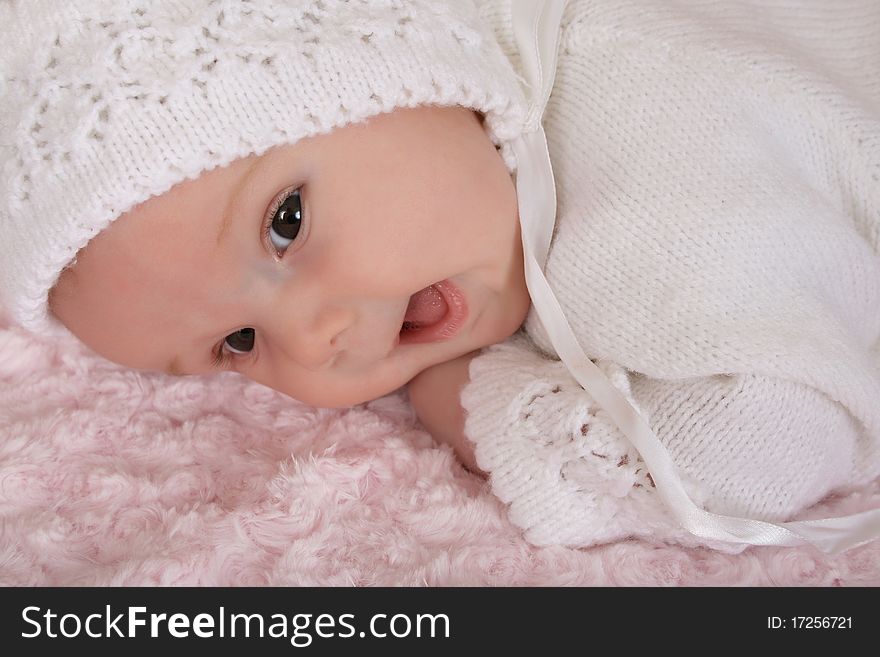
(716, 253)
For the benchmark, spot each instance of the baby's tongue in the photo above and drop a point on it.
(426, 307)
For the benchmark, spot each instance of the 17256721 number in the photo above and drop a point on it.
(809, 623)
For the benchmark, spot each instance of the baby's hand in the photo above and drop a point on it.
(435, 396)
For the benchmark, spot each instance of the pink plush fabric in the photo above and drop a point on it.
(114, 477)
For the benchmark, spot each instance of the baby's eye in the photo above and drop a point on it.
(240, 342)
(284, 219)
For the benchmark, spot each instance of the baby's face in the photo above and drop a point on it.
(296, 268)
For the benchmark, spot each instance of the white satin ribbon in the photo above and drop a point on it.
(536, 30)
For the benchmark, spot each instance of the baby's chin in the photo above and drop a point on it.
(505, 322)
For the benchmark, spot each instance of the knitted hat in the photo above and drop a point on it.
(106, 103)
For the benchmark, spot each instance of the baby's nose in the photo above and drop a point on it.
(318, 342)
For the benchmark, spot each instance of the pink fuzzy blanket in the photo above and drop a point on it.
(115, 477)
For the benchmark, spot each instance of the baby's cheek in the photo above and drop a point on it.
(322, 389)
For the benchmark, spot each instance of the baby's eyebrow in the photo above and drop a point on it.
(232, 200)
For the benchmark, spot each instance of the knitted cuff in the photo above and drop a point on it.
(551, 453)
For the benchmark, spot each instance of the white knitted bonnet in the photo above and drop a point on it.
(106, 103)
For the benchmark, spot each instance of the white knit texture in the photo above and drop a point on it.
(716, 252)
(109, 102)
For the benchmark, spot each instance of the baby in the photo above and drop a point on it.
(320, 196)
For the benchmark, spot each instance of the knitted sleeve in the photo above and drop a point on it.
(743, 445)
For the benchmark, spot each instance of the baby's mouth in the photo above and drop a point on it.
(434, 313)
(426, 308)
